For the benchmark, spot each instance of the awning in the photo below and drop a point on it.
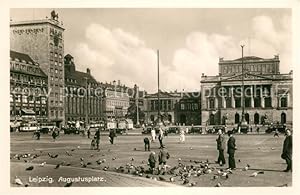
(28, 111)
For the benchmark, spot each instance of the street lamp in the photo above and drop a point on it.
(243, 121)
(158, 91)
(86, 101)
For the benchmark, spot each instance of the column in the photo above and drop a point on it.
(252, 98)
(288, 100)
(232, 98)
(216, 103)
(224, 101)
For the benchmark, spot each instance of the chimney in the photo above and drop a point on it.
(88, 71)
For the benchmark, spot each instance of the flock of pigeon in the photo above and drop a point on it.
(184, 173)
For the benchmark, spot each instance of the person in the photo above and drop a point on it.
(97, 137)
(147, 143)
(257, 130)
(153, 135)
(276, 134)
(163, 156)
(37, 134)
(287, 150)
(221, 147)
(88, 133)
(231, 147)
(152, 161)
(54, 135)
(161, 137)
(182, 136)
(93, 144)
(112, 135)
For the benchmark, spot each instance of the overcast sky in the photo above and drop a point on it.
(121, 44)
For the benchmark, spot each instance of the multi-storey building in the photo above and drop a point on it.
(43, 40)
(268, 95)
(83, 95)
(28, 88)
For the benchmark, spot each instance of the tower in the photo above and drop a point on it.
(44, 41)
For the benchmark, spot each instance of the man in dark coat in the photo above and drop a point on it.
(287, 150)
(97, 137)
(147, 143)
(112, 135)
(163, 156)
(221, 147)
(231, 147)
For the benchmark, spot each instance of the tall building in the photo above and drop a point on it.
(268, 95)
(83, 95)
(43, 40)
(28, 88)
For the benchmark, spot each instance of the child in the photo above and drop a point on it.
(93, 144)
(152, 161)
(163, 156)
(147, 143)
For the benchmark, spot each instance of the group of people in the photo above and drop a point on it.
(96, 140)
(162, 158)
(231, 148)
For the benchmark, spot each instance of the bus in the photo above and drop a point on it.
(29, 126)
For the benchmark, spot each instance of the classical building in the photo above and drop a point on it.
(168, 102)
(43, 40)
(83, 94)
(268, 95)
(28, 88)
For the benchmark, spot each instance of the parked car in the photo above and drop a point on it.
(45, 130)
(71, 130)
(279, 127)
(196, 129)
(173, 129)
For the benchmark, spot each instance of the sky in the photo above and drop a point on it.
(121, 44)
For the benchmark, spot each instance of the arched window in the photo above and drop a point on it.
(152, 117)
(283, 118)
(237, 118)
(256, 118)
(212, 119)
(247, 117)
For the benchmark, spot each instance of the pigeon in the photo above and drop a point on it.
(114, 158)
(192, 184)
(261, 172)
(218, 185)
(105, 168)
(214, 177)
(134, 149)
(147, 176)
(42, 164)
(132, 159)
(246, 167)
(68, 153)
(18, 181)
(186, 181)
(73, 150)
(239, 160)
(27, 185)
(78, 147)
(179, 159)
(29, 168)
(172, 179)
(68, 164)
(283, 185)
(272, 148)
(81, 159)
(88, 163)
(191, 148)
(69, 184)
(254, 174)
(91, 155)
(161, 178)
(57, 166)
(52, 155)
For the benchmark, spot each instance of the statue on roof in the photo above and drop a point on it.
(54, 16)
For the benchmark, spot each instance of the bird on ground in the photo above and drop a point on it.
(81, 159)
(147, 176)
(18, 181)
(68, 164)
(192, 184)
(246, 167)
(161, 178)
(91, 155)
(69, 184)
(254, 174)
(29, 168)
(88, 163)
(239, 160)
(72, 150)
(185, 181)
(68, 153)
(42, 164)
(132, 159)
(27, 185)
(114, 158)
(218, 185)
(78, 147)
(172, 179)
(283, 185)
(261, 172)
(57, 166)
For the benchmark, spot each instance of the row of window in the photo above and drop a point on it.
(117, 103)
(56, 113)
(164, 105)
(189, 106)
(23, 78)
(56, 71)
(18, 112)
(265, 68)
(78, 105)
(27, 99)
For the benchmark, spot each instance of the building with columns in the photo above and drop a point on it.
(268, 95)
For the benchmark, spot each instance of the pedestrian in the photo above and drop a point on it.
(54, 135)
(161, 137)
(88, 133)
(152, 161)
(153, 135)
(181, 136)
(287, 150)
(221, 147)
(163, 156)
(97, 137)
(147, 143)
(276, 134)
(257, 130)
(37, 134)
(231, 147)
(112, 135)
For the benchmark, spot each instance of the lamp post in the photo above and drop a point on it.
(158, 91)
(243, 121)
(86, 101)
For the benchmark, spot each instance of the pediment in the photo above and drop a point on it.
(247, 76)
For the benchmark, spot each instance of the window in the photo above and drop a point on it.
(283, 102)
(55, 63)
(211, 103)
(268, 102)
(56, 71)
(182, 106)
(238, 102)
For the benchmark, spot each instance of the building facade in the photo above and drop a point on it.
(28, 88)
(83, 95)
(43, 40)
(268, 95)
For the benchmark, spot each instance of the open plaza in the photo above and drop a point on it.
(76, 162)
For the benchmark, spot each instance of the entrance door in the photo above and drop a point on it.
(247, 117)
(183, 119)
(283, 118)
(256, 118)
(237, 118)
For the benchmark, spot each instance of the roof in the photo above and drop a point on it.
(79, 77)
(21, 56)
(249, 58)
